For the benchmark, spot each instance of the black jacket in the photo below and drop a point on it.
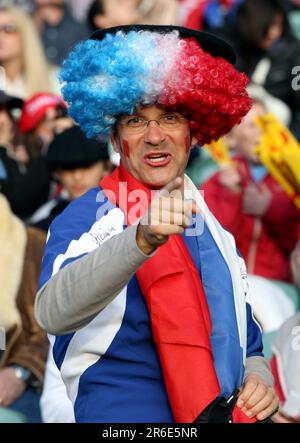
(27, 191)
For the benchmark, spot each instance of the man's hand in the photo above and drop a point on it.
(168, 214)
(256, 398)
(11, 387)
(256, 200)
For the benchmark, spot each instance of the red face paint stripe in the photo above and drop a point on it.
(125, 146)
(187, 143)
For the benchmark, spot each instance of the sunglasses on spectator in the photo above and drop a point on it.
(9, 28)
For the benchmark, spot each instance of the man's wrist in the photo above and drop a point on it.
(142, 243)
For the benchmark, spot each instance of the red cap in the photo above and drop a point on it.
(35, 108)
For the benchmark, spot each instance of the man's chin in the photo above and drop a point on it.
(157, 183)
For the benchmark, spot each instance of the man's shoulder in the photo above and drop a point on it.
(87, 203)
(82, 213)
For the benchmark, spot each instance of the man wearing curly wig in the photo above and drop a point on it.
(142, 289)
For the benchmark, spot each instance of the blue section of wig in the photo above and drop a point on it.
(103, 79)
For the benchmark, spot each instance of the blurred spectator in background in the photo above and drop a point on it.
(58, 29)
(108, 13)
(206, 14)
(266, 50)
(22, 364)
(43, 116)
(285, 365)
(27, 184)
(8, 126)
(285, 362)
(21, 55)
(79, 8)
(78, 164)
(293, 10)
(247, 200)
(201, 165)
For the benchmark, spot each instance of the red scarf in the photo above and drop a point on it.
(179, 314)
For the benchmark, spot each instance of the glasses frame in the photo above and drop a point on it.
(146, 123)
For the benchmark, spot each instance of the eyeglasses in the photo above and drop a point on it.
(9, 28)
(167, 121)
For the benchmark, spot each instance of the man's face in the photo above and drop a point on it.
(154, 155)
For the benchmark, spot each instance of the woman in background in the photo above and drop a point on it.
(22, 56)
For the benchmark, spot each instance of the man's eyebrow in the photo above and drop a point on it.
(140, 114)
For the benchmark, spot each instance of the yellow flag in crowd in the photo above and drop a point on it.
(279, 152)
(219, 152)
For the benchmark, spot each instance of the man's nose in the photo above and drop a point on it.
(153, 133)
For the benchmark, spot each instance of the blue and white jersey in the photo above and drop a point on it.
(111, 367)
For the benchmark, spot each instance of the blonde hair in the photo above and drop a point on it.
(35, 67)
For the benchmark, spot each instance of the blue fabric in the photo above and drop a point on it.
(3, 173)
(60, 348)
(126, 384)
(217, 285)
(258, 172)
(214, 14)
(29, 405)
(254, 337)
(85, 211)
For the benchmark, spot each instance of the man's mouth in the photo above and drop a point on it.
(157, 159)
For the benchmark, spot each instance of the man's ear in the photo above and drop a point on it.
(115, 142)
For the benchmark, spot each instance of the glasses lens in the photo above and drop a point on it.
(133, 122)
(171, 120)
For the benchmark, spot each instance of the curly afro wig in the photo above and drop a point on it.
(105, 78)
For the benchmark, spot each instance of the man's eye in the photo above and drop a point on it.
(134, 121)
(170, 118)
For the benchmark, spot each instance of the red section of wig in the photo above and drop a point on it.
(208, 90)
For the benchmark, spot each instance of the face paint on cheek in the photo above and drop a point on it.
(125, 146)
(187, 143)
